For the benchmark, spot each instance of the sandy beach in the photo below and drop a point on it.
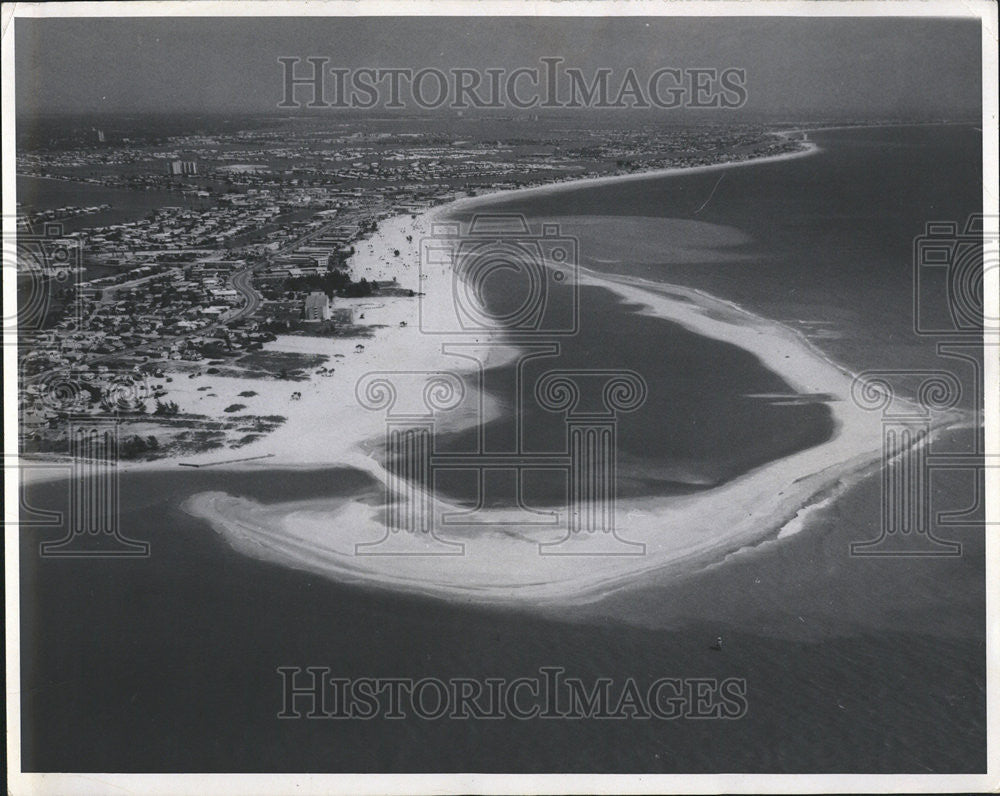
(808, 148)
(506, 564)
(679, 533)
(327, 426)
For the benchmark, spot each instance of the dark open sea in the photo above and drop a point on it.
(852, 665)
(824, 243)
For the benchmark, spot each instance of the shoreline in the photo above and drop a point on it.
(372, 260)
(679, 532)
(325, 426)
(809, 148)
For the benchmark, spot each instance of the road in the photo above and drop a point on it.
(242, 282)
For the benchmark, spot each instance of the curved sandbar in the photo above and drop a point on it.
(505, 565)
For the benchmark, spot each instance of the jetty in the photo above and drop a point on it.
(226, 461)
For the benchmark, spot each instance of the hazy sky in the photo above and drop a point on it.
(795, 66)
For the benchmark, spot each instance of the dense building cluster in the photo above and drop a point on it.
(256, 228)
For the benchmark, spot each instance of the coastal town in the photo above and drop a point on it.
(253, 237)
(492, 397)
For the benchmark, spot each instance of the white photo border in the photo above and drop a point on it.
(69, 784)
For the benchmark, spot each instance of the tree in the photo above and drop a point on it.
(168, 409)
(133, 447)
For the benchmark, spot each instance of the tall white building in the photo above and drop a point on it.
(182, 167)
(318, 307)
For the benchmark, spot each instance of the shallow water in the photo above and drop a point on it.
(169, 663)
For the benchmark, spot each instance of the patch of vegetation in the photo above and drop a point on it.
(135, 447)
(166, 409)
(245, 440)
(251, 423)
(286, 365)
(234, 407)
(333, 282)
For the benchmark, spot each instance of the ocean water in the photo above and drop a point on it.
(169, 663)
(853, 665)
(40, 193)
(823, 243)
(712, 411)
